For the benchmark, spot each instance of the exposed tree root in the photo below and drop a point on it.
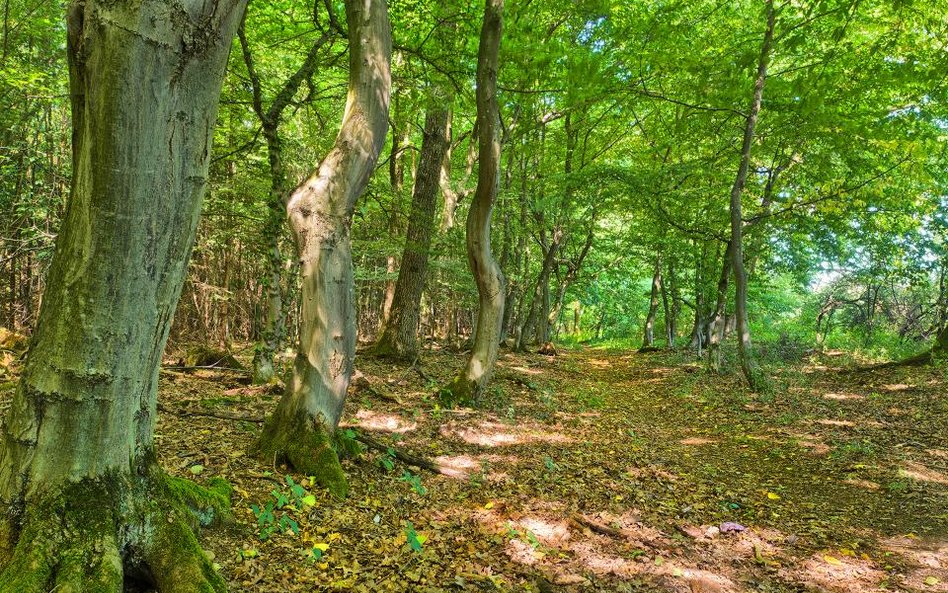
(305, 444)
(222, 414)
(360, 382)
(89, 536)
(419, 462)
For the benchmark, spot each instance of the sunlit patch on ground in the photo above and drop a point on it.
(697, 441)
(838, 573)
(843, 396)
(466, 466)
(495, 434)
(527, 371)
(866, 484)
(832, 422)
(897, 387)
(926, 559)
(812, 443)
(381, 422)
(917, 471)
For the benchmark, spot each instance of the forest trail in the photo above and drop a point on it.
(595, 470)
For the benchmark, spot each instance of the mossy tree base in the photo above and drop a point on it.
(92, 536)
(460, 392)
(307, 445)
(387, 348)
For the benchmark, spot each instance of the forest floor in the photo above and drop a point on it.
(594, 470)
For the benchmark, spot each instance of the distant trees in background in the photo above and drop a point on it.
(620, 126)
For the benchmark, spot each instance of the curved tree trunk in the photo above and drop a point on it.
(399, 338)
(320, 212)
(77, 453)
(470, 383)
(744, 346)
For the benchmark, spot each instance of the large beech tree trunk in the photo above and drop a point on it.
(744, 346)
(399, 338)
(320, 212)
(487, 274)
(76, 455)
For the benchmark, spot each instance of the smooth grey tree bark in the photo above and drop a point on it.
(89, 505)
(320, 212)
(469, 385)
(399, 338)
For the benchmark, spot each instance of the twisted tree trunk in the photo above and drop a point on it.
(320, 212)
(487, 274)
(89, 505)
(399, 338)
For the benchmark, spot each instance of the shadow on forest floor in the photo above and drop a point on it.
(597, 470)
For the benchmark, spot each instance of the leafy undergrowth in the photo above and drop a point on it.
(596, 470)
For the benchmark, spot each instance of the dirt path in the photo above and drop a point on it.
(598, 471)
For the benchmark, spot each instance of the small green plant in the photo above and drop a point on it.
(415, 540)
(549, 464)
(897, 486)
(387, 461)
(415, 482)
(277, 514)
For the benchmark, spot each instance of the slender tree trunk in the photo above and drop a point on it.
(698, 333)
(396, 173)
(487, 274)
(744, 345)
(91, 505)
(320, 212)
(532, 331)
(648, 340)
(399, 338)
(667, 311)
(273, 334)
(273, 327)
(717, 320)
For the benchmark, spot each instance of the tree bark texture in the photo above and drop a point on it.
(76, 456)
(399, 338)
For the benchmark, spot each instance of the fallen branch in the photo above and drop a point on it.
(361, 383)
(205, 368)
(223, 415)
(424, 377)
(597, 527)
(408, 458)
(603, 529)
